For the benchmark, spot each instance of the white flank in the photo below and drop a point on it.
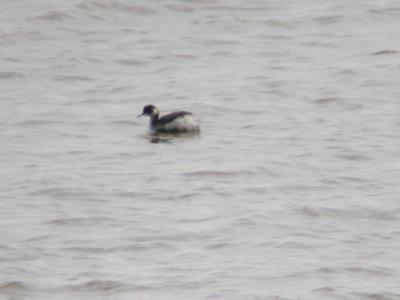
(183, 124)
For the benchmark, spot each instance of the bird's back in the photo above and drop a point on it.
(179, 121)
(172, 116)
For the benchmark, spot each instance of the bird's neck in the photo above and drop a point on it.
(154, 119)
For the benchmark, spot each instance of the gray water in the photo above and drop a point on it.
(291, 191)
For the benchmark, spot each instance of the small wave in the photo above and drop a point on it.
(360, 213)
(386, 52)
(12, 36)
(327, 270)
(328, 100)
(129, 195)
(324, 289)
(184, 56)
(217, 173)
(73, 78)
(186, 220)
(12, 59)
(60, 193)
(279, 37)
(93, 100)
(131, 62)
(338, 103)
(53, 16)
(199, 2)
(377, 296)
(218, 245)
(368, 271)
(118, 89)
(328, 19)
(318, 43)
(123, 122)
(13, 286)
(88, 249)
(146, 40)
(237, 8)
(180, 8)
(118, 6)
(221, 53)
(79, 152)
(8, 75)
(279, 24)
(41, 238)
(79, 221)
(353, 156)
(74, 135)
(220, 42)
(37, 122)
(387, 10)
(98, 285)
(257, 190)
(143, 246)
(347, 71)
(92, 59)
(294, 245)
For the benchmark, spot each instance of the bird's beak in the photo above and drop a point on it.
(141, 115)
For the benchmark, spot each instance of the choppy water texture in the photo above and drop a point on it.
(290, 192)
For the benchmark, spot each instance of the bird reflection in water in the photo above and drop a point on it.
(171, 137)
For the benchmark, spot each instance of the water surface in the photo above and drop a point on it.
(290, 192)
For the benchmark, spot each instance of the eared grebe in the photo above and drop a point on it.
(175, 122)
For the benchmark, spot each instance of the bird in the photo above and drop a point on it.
(175, 122)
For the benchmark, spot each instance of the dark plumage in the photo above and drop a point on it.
(172, 116)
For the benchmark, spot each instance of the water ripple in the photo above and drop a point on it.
(360, 213)
(53, 16)
(386, 52)
(120, 6)
(9, 75)
(13, 287)
(98, 285)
